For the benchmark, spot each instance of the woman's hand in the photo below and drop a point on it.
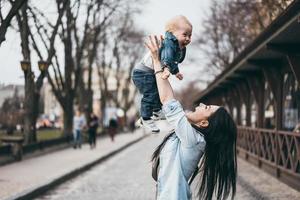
(153, 45)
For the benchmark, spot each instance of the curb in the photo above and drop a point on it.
(43, 188)
(45, 150)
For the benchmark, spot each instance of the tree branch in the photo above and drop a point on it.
(16, 5)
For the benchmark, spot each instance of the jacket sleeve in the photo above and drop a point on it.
(178, 121)
(167, 57)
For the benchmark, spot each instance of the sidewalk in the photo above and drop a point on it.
(37, 174)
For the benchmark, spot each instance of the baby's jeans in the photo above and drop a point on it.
(146, 83)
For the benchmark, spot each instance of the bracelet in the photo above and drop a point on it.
(159, 71)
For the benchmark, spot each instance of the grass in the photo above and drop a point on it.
(49, 134)
(46, 134)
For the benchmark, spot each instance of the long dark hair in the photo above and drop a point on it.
(219, 166)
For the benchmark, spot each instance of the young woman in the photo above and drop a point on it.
(207, 132)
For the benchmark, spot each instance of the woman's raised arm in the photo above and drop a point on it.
(164, 88)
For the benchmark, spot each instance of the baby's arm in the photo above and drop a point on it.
(166, 74)
(168, 54)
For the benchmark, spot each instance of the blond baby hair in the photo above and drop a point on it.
(172, 24)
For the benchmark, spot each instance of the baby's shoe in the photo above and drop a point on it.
(139, 123)
(150, 125)
(159, 115)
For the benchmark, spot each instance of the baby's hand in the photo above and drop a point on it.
(179, 76)
(165, 74)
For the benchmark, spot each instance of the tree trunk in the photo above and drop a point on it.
(103, 106)
(68, 118)
(90, 101)
(81, 94)
(16, 5)
(29, 122)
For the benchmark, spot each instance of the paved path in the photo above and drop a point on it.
(22, 177)
(127, 176)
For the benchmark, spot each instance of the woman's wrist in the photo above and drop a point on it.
(157, 66)
(158, 71)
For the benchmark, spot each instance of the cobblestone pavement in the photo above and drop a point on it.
(127, 176)
(22, 177)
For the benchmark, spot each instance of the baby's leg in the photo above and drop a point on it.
(149, 96)
(156, 100)
(157, 111)
(145, 81)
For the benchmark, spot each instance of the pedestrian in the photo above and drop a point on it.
(93, 125)
(79, 123)
(207, 132)
(112, 128)
(178, 34)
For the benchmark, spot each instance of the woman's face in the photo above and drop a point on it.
(202, 113)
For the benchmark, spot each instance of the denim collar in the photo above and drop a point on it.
(170, 36)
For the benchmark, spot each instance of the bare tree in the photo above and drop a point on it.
(32, 86)
(81, 26)
(126, 53)
(100, 21)
(191, 91)
(64, 88)
(6, 21)
(232, 25)
(120, 50)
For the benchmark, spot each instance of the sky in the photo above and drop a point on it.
(152, 19)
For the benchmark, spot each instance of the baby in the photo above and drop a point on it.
(177, 37)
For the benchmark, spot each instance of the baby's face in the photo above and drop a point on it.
(183, 34)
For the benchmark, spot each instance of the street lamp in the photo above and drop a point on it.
(25, 65)
(43, 65)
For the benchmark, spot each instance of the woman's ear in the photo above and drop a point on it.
(203, 123)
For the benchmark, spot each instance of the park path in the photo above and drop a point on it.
(126, 175)
(24, 177)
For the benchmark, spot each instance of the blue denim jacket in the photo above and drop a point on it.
(180, 155)
(170, 53)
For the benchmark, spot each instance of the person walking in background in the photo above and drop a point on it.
(93, 125)
(111, 121)
(112, 128)
(79, 123)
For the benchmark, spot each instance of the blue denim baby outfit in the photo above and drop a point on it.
(179, 156)
(170, 53)
(143, 74)
(144, 79)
